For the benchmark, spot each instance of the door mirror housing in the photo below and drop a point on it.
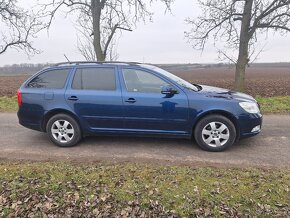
(168, 90)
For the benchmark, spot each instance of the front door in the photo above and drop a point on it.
(95, 97)
(146, 110)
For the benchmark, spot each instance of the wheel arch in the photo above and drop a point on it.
(226, 114)
(53, 112)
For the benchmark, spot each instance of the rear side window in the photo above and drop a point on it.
(53, 79)
(95, 79)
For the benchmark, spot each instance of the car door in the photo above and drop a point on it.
(44, 92)
(146, 109)
(95, 97)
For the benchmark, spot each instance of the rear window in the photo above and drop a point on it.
(52, 79)
(95, 79)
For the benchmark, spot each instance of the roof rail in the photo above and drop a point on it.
(96, 62)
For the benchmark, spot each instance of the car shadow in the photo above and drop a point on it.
(137, 141)
(144, 143)
(158, 142)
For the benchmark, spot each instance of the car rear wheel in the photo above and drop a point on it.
(63, 130)
(215, 133)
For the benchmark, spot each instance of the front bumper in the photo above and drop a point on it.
(250, 125)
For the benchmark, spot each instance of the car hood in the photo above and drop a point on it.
(215, 92)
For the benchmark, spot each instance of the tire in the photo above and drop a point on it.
(215, 133)
(63, 130)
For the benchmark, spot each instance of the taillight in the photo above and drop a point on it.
(19, 98)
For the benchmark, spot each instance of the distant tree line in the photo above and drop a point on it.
(28, 69)
(17, 69)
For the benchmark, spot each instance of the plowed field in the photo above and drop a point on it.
(263, 81)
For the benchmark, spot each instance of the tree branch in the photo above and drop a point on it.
(18, 27)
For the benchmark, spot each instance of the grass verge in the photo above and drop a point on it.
(275, 104)
(268, 105)
(138, 190)
(8, 104)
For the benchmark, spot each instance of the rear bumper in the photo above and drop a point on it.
(30, 124)
(250, 125)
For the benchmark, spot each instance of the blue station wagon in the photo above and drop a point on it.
(72, 100)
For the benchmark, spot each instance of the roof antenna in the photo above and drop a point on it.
(67, 58)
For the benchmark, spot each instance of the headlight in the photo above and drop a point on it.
(250, 107)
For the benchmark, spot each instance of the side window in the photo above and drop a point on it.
(52, 79)
(141, 81)
(95, 79)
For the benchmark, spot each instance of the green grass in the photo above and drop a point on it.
(275, 104)
(268, 105)
(66, 189)
(8, 104)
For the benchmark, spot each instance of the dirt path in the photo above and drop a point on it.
(270, 149)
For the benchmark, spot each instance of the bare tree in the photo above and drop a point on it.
(18, 27)
(239, 23)
(104, 18)
(86, 40)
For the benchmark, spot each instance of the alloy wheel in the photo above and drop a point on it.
(62, 131)
(215, 134)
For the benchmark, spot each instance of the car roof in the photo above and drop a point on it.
(77, 63)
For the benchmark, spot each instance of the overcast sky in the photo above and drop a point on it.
(161, 41)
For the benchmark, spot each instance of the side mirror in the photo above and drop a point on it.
(168, 90)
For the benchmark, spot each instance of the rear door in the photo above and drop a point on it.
(146, 109)
(95, 96)
(42, 93)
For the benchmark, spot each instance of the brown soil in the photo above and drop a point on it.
(10, 84)
(263, 81)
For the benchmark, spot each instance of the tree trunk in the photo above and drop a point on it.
(96, 8)
(240, 75)
(243, 58)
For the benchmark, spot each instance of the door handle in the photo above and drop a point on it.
(131, 100)
(73, 98)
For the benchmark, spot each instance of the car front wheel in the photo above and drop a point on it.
(215, 133)
(63, 130)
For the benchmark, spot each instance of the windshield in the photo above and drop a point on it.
(176, 79)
